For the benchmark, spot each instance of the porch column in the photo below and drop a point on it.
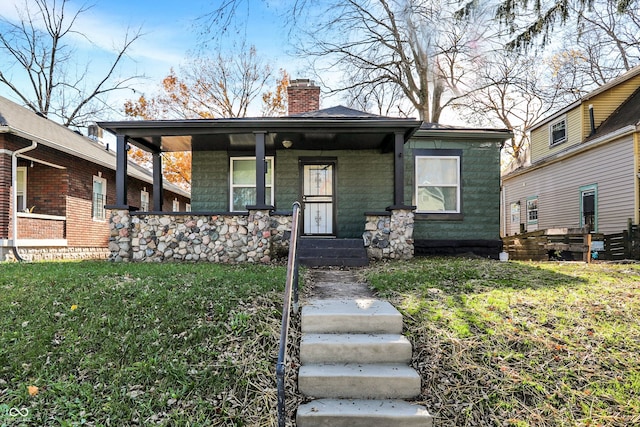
(398, 167)
(121, 171)
(261, 170)
(157, 182)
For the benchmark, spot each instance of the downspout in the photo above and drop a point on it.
(14, 184)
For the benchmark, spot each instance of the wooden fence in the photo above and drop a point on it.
(553, 243)
(621, 246)
(574, 244)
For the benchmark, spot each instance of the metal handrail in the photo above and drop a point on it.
(290, 287)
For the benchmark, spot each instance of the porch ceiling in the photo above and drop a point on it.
(239, 134)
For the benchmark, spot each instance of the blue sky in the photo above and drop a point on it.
(171, 32)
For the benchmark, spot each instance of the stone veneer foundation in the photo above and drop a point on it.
(257, 237)
(389, 235)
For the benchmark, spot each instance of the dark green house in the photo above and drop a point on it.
(384, 187)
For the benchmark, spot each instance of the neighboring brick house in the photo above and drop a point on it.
(396, 186)
(63, 181)
(585, 166)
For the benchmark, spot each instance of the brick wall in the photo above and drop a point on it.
(303, 96)
(64, 192)
(38, 228)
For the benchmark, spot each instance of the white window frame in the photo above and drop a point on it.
(531, 210)
(515, 213)
(175, 205)
(144, 200)
(98, 212)
(21, 188)
(457, 186)
(553, 143)
(187, 207)
(269, 185)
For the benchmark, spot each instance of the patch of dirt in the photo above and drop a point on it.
(329, 283)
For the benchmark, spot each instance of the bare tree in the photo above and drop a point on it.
(417, 46)
(514, 94)
(223, 85)
(38, 63)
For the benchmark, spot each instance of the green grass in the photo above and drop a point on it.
(150, 344)
(521, 344)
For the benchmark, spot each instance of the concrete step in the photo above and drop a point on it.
(362, 413)
(351, 317)
(359, 381)
(354, 348)
(319, 252)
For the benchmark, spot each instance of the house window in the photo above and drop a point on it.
(243, 182)
(532, 210)
(589, 207)
(558, 132)
(176, 205)
(99, 198)
(515, 213)
(144, 200)
(21, 189)
(437, 178)
(187, 207)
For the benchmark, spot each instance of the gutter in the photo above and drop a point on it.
(14, 184)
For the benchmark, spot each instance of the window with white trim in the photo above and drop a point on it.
(187, 207)
(176, 205)
(515, 213)
(99, 199)
(243, 183)
(558, 131)
(532, 210)
(144, 200)
(437, 178)
(21, 188)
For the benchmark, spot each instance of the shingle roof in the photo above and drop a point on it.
(26, 123)
(338, 112)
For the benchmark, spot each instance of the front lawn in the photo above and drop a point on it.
(97, 343)
(521, 344)
(497, 344)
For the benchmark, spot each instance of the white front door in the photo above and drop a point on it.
(318, 198)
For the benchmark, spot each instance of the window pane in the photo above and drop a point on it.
(244, 172)
(558, 131)
(242, 197)
(438, 199)
(437, 171)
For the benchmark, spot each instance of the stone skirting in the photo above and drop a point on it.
(389, 235)
(55, 253)
(257, 237)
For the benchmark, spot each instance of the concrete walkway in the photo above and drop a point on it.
(355, 361)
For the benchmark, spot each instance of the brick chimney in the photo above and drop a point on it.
(303, 96)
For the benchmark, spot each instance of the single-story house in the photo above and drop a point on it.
(54, 184)
(396, 186)
(585, 166)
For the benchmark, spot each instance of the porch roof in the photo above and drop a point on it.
(329, 129)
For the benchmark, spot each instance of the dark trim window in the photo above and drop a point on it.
(438, 181)
(558, 131)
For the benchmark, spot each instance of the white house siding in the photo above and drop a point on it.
(610, 167)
